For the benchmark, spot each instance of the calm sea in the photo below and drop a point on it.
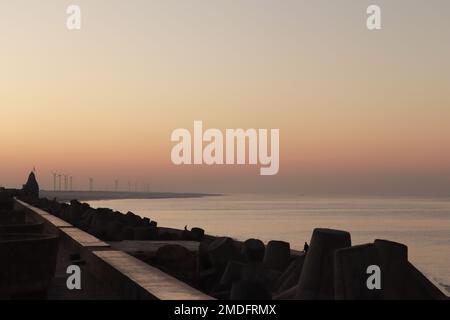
(422, 224)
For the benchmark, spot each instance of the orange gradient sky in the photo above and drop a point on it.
(358, 111)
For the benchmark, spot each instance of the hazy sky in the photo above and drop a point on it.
(358, 111)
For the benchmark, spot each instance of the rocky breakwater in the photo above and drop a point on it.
(109, 225)
(330, 269)
(113, 226)
(228, 269)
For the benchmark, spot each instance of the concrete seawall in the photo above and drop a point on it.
(120, 274)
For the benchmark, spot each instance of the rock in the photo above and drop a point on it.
(145, 233)
(258, 272)
(232, 273)
(351, 271)
(246, 290)
(98, 224)
(195, 234)
(174, 255)
(253, 250)
(86, 219)
(316, 280)
(74, 213)
(114, 231)
(187, 235)
(288, 294)
(277, 255)
(350, 275)
(177, 261)
(167, 235)
(222, 250)
(198, 233)
(207, 279)
(131, 220)
(203, 261)
(291, 275)
(127, 233)
(394, 267)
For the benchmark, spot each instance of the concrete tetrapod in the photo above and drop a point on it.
(277, 255)
(316, 280)
(253, 250)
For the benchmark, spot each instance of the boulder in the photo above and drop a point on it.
(176, 258)
(145, 233)
(351, 271)
(197, 233)
(253, 250)
(127, 233)
(114, 231)
(246, 290)
(350, 275)
(232, 273)
(222, 250)
(277, 255)
(394, 267)
(290, 277)
(258, 272)
(316, 280)
(203, 261)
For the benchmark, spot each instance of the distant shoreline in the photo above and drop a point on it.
(111, 195)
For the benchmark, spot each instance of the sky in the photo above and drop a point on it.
(359, 111)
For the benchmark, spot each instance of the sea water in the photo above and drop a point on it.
(423, 224)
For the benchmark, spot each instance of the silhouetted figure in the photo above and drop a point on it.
(306, 247)
(31, 188)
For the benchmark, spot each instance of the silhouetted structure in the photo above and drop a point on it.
(31, 188)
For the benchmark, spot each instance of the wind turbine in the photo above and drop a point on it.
(54, 180)
(59, 181)
(66, 187)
